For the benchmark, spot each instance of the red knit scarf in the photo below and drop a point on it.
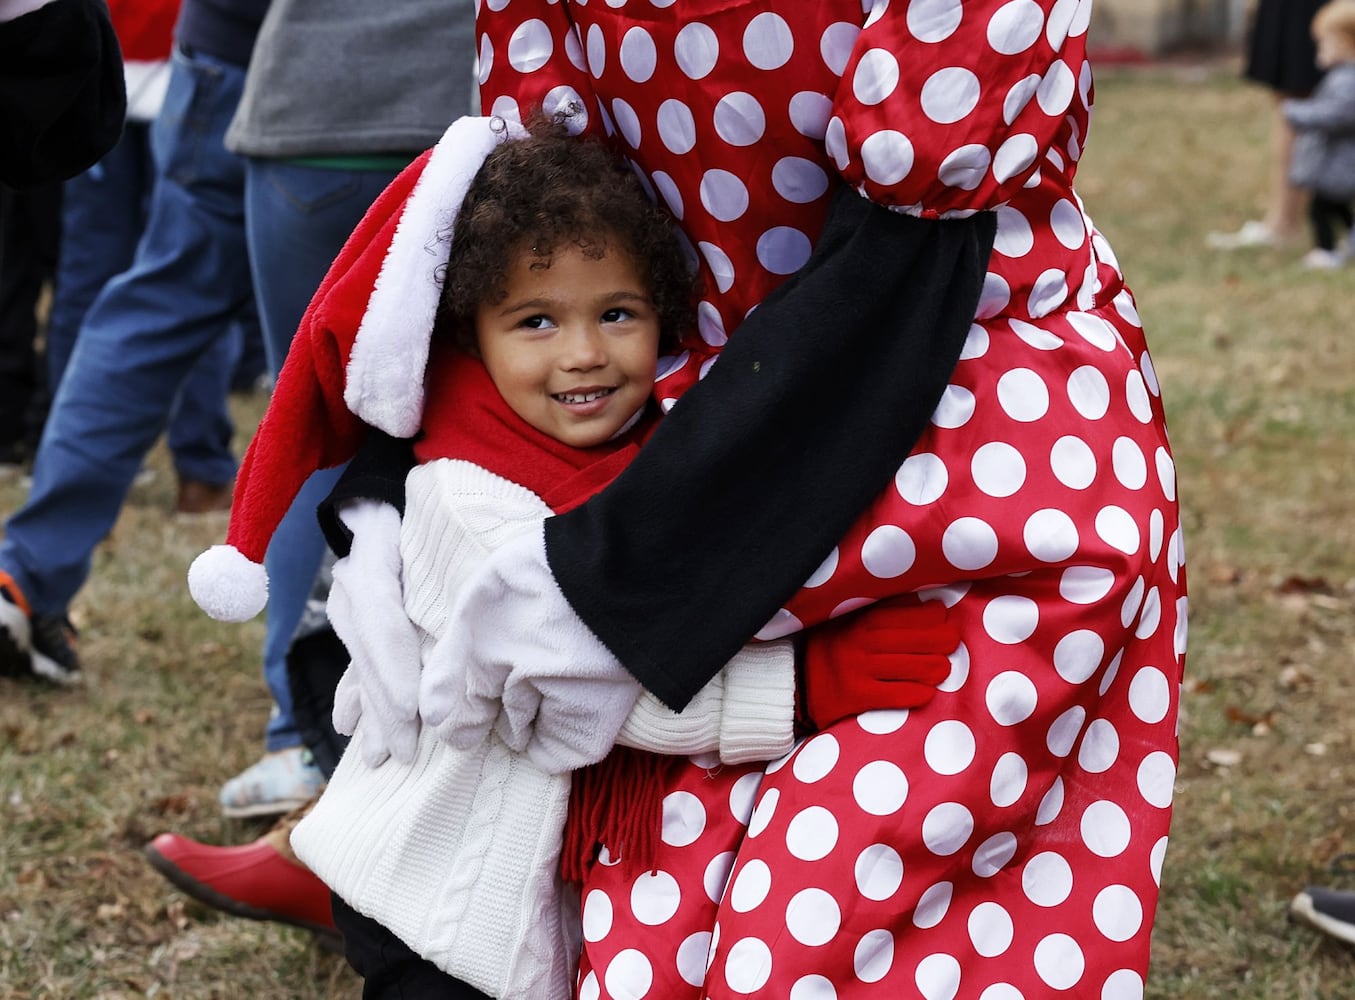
(618, 801)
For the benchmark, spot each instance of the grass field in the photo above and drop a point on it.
(1257, 362)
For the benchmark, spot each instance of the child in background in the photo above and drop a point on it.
(1324, 151)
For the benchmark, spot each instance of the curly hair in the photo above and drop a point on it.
(548, 190)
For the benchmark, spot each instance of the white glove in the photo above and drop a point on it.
(366, 608)
(516, 658)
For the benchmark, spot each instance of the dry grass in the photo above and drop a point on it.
(1256, 359)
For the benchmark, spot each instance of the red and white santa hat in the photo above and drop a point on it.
(358, 359)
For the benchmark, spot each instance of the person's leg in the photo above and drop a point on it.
(1284, 205)
(1322, 214)
(201, 428)
(139, 341)
(297, 218)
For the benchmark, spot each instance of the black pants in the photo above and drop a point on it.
(30, 229)
(389, 970)
(1325, 214)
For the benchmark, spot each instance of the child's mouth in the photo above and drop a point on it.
(576, 398)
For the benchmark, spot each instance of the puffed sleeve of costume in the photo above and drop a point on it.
(62, 94)
(947, 109)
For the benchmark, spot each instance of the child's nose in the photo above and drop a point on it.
(586, 347)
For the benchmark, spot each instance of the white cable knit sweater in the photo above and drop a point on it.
(458, 852)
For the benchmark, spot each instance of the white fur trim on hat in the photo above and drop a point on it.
(226, 585)
(384, 381)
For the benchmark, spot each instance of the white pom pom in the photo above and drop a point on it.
(226, 585)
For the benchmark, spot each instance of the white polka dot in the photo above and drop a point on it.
(1037, 337)
(994, 297)
(990, 929)
(1051, 805)
(873, 956)
(1059, 961)
(638, 55)
(879, 872)
(876, 77)
(1089, 392)
(816, 758)
(1117, 528)
(1011, 698)
(721, 268)
(947, 828)
(809, 113)
(813, 917)
(1018, 97)
(882, 722)
(1065, 730)
(1073, 462)
(629, 975)
(1049, 292)
(950, 94)
(1156, 529)
(998, 468)
(887, 156)
(1150, 695)
(677, 127)
(1056, 90)
(825, 571)
(716, 876)
(955, 408)
(1078, 655)
(1105, 829)
(1094, 330)
(723, 195)
(1131, 468)
(1002, 991)
(684, 818)
(751, 886)
(812, 834)
(1022, 395)
(589, 988)
(949, 747)
(763, 812)
(813, 988)
(835, 45)
(597, 915)
(1149, 375)
(921, 479)
(933, 905)
(798, 180)
(1085, 584)
(888, 552)
(1111, 671)
(1047, 879)
(1065, 219)
(938, 977)
(994, 854)
(1117, 912)
(969, 544)
(739, 119)
(1157, 779)
(1015, 27)
(530, 46)
(1050, 535)
(1014, 237)
(1014, 157)
(1100, 747)
(597, 51)
(743, 795)
(783, 250)
(933, 20)
(654, 898)
(1011, 619)
(1008, 784)
(696, 49)
(748, 966)
(1155, 859)
(692, 956)
(768, 41)
(1123, 984)
(486, 59)
(880, 788)
(1136, 395)
(627, 122)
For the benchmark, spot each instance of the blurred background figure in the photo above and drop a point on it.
(1282, 57)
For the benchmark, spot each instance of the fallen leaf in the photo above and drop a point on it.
(1224, 758)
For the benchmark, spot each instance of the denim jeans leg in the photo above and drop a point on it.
(139, 340)
(201, 428)
(297, 219)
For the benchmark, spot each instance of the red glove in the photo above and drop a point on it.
(892, 654)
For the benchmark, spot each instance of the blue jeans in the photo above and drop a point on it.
(297, 219)
(103, 215)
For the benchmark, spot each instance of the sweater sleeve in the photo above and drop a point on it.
(377, 472)
(62, 93)
(815, 402)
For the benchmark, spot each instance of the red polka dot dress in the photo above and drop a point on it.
(1006, 840)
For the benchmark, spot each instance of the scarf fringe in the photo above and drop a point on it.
(617, 802)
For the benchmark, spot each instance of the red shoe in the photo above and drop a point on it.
(254, 881)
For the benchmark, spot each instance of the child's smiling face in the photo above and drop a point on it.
(573, 345)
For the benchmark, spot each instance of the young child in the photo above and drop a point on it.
(1324, 151)
(562, 285)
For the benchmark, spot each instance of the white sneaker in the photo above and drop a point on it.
(1252, 233)
(274, 784)
(1318, 259)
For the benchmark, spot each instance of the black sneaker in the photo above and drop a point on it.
(16, 659)
(54, 656)
(1329, 910)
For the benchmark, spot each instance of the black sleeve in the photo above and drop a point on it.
(377, 472)
(62, 94)
(761, 468)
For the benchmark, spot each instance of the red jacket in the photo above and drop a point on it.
(145, 28)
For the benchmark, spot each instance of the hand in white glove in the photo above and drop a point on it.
(515, 657)
(366, 608)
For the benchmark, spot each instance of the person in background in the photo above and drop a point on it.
(1324, 125)
(1282, 58)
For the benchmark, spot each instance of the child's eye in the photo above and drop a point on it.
(617, 315)
(536, 322)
